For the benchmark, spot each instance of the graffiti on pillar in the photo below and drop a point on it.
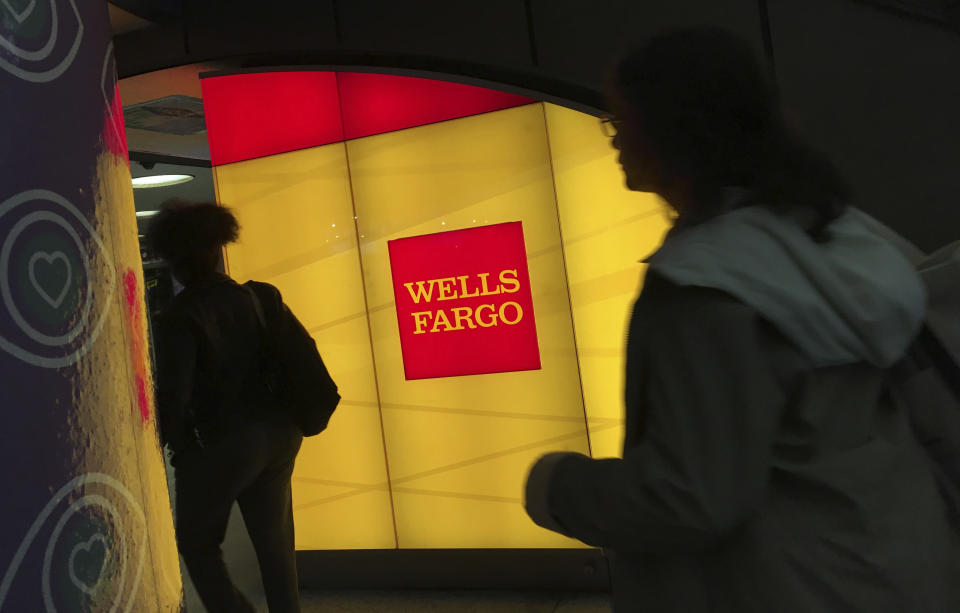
(114, 135)
(73, 365)
(133, 293)
(56, 279)
(94, 555)
(44, 38)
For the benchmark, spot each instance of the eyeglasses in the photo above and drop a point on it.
(610, 125)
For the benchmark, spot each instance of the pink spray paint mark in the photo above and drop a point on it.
(114, 134)
(138, 344)
(131, 290)
(143, 399)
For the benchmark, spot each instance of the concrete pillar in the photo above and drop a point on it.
(85, 523)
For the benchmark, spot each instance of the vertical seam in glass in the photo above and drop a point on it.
(366, 308)
(563, 255)
(532, 33)
(766, 33)
(338, 32)
(224, 253)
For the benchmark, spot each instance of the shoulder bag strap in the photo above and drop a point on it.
(256, 306)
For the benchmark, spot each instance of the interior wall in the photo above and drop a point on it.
(536, 44)
(578, 40)
(879, 94)
(870, 86)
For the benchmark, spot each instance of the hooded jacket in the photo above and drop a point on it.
(765, 468)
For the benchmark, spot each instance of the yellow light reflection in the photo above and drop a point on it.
(459, 447)
(290, 207)
(606, 230)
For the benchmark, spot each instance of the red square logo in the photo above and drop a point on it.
(463, 302)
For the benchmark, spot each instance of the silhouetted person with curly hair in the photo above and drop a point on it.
(228, 442)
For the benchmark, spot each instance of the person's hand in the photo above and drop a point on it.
(536, 500)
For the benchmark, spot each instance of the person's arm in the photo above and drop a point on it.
(702, 466)
(926, 383)
(176, 364)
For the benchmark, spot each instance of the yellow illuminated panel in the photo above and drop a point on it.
(607, 229)
(459, 447)
(298, 233)
(456, 449)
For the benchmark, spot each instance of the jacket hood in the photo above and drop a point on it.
(853, 298)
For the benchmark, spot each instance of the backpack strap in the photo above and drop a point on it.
(257, 306)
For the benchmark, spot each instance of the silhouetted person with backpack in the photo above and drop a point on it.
(766, 467)
(218, 416)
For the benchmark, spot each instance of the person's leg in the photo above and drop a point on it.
(267, 508)
(204, 498)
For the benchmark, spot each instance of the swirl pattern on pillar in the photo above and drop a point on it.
(56, 279)
(94, 550)
(39, 39)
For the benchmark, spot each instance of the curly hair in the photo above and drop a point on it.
(185, 231)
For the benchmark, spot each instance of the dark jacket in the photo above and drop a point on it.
(764, 468)
(209, 352)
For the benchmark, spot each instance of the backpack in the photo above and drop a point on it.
(295, 375)
(926, 383)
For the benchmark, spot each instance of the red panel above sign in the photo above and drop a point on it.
(259, 114)
(377, 103)
(464, 305)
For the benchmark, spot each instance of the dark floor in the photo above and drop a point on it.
(245, 572)
(453, 602)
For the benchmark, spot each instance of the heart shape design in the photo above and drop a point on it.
(22, 15)
(87, 549)
(50, 259)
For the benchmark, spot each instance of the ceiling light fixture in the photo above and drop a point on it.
(160, 181)
(146, 213)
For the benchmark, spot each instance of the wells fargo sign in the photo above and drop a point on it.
(463, 302)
